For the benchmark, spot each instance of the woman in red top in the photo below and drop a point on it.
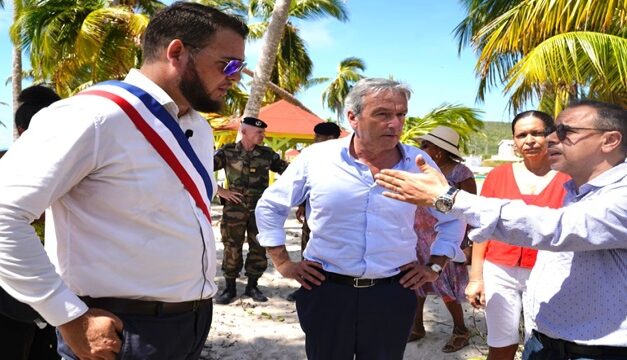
(499, 271)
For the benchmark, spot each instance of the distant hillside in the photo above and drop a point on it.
(486, 144)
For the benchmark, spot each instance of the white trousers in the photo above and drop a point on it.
(505, 293)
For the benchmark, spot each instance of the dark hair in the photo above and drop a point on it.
(327, 128)
(608, 116)
(546, 118)
(33, 99)
(192, 23)
(38, 93)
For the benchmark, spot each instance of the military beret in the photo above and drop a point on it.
(327, 128)
(254, 122)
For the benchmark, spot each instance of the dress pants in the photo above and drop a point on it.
(343, 322)
(179, 336)
(535, 350)
(25, 341)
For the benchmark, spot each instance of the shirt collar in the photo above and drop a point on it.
(135, 77)
(610, 176)
(346, 142)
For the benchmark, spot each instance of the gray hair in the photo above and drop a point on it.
(355, 98)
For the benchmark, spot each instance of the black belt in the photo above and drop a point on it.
(571, 348)
(360, 282)
(142, 307)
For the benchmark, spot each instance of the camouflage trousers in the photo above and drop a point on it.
(238, 223)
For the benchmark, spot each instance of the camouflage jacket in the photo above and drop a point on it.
(247, 171)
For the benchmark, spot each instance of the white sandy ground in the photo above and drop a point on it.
(245, 330)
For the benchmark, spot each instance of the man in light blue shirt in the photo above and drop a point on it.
(360, 267)
(578, 286)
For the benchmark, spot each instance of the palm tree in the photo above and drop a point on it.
(73, 44)
(16, 60)
(293, 67)
(347, 75)
(462, 119)
(579, 64)
(267, 57)
(504, 32)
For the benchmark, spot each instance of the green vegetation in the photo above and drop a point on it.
(552, 51)
(464, 120)
(486, 142)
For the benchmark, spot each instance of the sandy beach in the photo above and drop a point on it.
(245, 330)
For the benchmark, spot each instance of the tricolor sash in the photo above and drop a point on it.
(164, 134)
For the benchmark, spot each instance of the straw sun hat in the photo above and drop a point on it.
(445, 138)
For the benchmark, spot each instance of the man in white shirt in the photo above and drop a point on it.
(128, 232)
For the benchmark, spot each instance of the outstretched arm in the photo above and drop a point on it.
(421, 188)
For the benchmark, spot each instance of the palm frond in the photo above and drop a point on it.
(569, 63)
(293, 64)
(479, 14)
(347, 75)
(515, 32)
(232, 7)
(464, 120)
(316, 9)
(256, 30)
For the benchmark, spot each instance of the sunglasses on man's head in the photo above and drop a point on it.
(562, 130)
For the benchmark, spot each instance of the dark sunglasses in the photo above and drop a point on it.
(232, 66)
(562, 130)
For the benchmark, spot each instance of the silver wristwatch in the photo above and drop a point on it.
(444, 203)
(435, 268)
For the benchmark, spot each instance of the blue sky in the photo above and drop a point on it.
(410, 40)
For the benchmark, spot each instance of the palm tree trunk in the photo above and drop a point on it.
(267, 57)
(282, 93)
(16, 74)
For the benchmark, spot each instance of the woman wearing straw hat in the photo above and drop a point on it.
(442, 145)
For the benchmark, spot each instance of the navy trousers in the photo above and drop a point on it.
(535, 350)
(342, 322)
(179, 336)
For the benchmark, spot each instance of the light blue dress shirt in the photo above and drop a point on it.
(578, 286)
(355, 230)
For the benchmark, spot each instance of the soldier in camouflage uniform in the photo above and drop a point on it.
(246, 164)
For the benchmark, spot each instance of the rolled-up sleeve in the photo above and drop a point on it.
(450, 233)
(274, 206)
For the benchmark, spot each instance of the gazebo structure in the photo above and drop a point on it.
(288, 126)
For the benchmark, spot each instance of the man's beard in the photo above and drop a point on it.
(194, 92)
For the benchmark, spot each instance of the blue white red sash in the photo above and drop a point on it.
(164, 134)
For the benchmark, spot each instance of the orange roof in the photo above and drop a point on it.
(283, 117)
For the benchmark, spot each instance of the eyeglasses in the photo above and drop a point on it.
(562, 130)
(232, 66)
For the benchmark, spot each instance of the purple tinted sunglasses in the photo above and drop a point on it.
(232, 66)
